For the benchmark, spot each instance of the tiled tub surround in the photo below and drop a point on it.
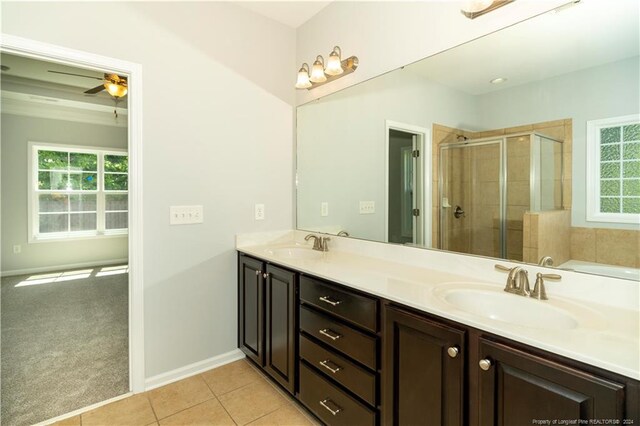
(411, 276)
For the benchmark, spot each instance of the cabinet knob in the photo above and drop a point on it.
(265, 275)
(258, 272)
(485, 364)
(453, 351)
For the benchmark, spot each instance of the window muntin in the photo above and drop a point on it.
(78, 192)
(614, 163)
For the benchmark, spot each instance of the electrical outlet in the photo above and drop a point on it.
(259, 211)
(324, 209)
(17, 249)
(367, 207)
(186, 215)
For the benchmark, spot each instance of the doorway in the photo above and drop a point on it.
(103, 199)
(407, 154)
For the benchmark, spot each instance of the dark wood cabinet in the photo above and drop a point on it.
(516, 388)
(267, 323)
(423, 371)
(280, 325)
(251, 308)
(427, 371)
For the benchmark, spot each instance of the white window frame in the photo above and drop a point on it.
(33, 192)
(593, 171)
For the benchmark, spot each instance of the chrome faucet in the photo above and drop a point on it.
(319, 243)
(546, 261)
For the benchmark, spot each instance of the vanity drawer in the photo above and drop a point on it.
(347, 340)
(356, 379)
(352, 307)
(330, 404)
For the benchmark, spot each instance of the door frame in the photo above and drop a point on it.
(63, 55)
(423, 143)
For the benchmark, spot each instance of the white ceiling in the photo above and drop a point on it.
(587, 34)
(290, 13)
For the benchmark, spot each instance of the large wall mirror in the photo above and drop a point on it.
(522, 145)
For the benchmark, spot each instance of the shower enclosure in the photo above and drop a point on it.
(487, 185)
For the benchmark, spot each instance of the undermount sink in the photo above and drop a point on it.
(493, 303)
(295, 253)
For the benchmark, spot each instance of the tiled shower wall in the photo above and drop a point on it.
(609, 246)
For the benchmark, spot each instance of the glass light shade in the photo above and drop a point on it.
(474, 6)
(303, 79)
(334, 67)
(116, 90)
(317, 73)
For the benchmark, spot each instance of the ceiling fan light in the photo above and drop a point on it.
(334, 65)
(115, 90)
(317, 71)
(303, 77)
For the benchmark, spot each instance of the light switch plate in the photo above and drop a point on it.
(259, 211)
(186, 215)
(367, 207)
(324, 209)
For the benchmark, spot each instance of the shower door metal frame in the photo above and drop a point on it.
(501, 141)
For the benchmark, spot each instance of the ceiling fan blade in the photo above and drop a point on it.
(77, 75)
(95, 90)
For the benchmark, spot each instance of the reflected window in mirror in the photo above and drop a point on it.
(614, 169)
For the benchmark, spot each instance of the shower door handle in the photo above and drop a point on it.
(459, 212)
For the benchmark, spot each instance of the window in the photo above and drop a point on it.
(77, 192)
(613, 170)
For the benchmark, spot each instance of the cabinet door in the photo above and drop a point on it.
(280, 326)
(423, 383)
(250, 308)
(518, 388)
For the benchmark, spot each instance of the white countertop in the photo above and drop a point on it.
(609, 337)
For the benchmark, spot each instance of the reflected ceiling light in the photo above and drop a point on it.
(319, 74)
(317, 71)
(474, 8)
(498, 80)
(303, 77)
(334, 67)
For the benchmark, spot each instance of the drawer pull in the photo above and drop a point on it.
(336, 409)
(333, 369)
(327, 299)
(329, 333)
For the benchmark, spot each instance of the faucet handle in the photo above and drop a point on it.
(503, 268)
(324, 243)
(539, 291)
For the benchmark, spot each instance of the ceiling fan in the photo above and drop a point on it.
(114, 84)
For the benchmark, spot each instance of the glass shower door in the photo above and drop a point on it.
(471, 207)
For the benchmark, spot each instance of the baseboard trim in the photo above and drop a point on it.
(192, 369)
(83, 410)
(62, 267)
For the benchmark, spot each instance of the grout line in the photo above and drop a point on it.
(153, 410)
(217, 399)
(191, 406)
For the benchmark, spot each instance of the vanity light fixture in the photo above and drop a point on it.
(334, 67)
(474, 8)
(303, 77)
(321, 74)
(498, 80)
(317, 71)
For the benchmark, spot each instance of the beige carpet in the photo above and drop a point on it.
(64, 342)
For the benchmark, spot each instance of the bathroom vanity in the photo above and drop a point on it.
(364, 340)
